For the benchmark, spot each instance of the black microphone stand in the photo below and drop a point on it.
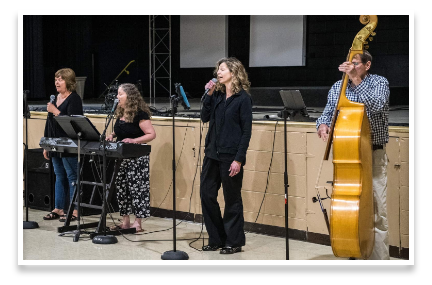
(174, 254)
(104, 239)
(27, 224)
(285, 113)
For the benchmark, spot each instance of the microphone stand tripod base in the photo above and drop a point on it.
(104, 239)
(175, 255)
(30, 225)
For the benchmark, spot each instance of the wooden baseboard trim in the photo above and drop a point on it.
(317, 238)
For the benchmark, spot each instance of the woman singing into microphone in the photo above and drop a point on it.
(228, 107)
(133, 125)
(67, 102)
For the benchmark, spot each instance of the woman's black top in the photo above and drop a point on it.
(131, 130)
(72, 105)
(230, 126)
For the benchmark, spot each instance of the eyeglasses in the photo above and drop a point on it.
(356, 63)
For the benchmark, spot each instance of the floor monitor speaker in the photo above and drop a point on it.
(40, 181)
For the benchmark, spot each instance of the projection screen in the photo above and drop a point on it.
(203, 40)
(277, 40)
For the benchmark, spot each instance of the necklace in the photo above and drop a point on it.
(64, 97)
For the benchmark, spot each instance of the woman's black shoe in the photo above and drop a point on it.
(230, 250)
(211, 247)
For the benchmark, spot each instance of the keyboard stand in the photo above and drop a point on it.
(98, 225)
(80, 127)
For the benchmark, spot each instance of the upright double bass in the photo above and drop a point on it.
(352, 209)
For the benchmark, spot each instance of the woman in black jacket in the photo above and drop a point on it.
(67, 102)
(228, 107)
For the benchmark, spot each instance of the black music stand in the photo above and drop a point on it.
(293, 103)
(285, 114)
(293, 100)
(80, 127)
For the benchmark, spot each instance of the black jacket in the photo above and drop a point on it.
(230, 126)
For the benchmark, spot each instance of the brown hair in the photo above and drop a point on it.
(240, 77)
(67, 75)
(134, 103)
(365, 57)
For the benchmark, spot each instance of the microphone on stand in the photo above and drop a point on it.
(186, 104)
(116, 101)
(208, 89)
(25, 104)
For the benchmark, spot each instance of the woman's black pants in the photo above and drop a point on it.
(226, 231)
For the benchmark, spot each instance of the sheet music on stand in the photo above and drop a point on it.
(293, 101)
(74, 124)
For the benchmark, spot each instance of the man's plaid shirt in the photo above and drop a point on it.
(374, 92)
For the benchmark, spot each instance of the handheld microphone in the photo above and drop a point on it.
(185, 100)
(52, 99)
(116, 101)
(208, 89)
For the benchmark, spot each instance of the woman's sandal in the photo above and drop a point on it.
(63, 218)
(51, 216)
(116, 228)
(119, 227)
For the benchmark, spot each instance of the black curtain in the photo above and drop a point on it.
(51, 43)
(33, 77)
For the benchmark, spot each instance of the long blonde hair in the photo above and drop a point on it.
(239, 79)
(134, 103)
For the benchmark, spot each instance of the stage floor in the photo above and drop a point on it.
(44, 243)
(398, 115)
